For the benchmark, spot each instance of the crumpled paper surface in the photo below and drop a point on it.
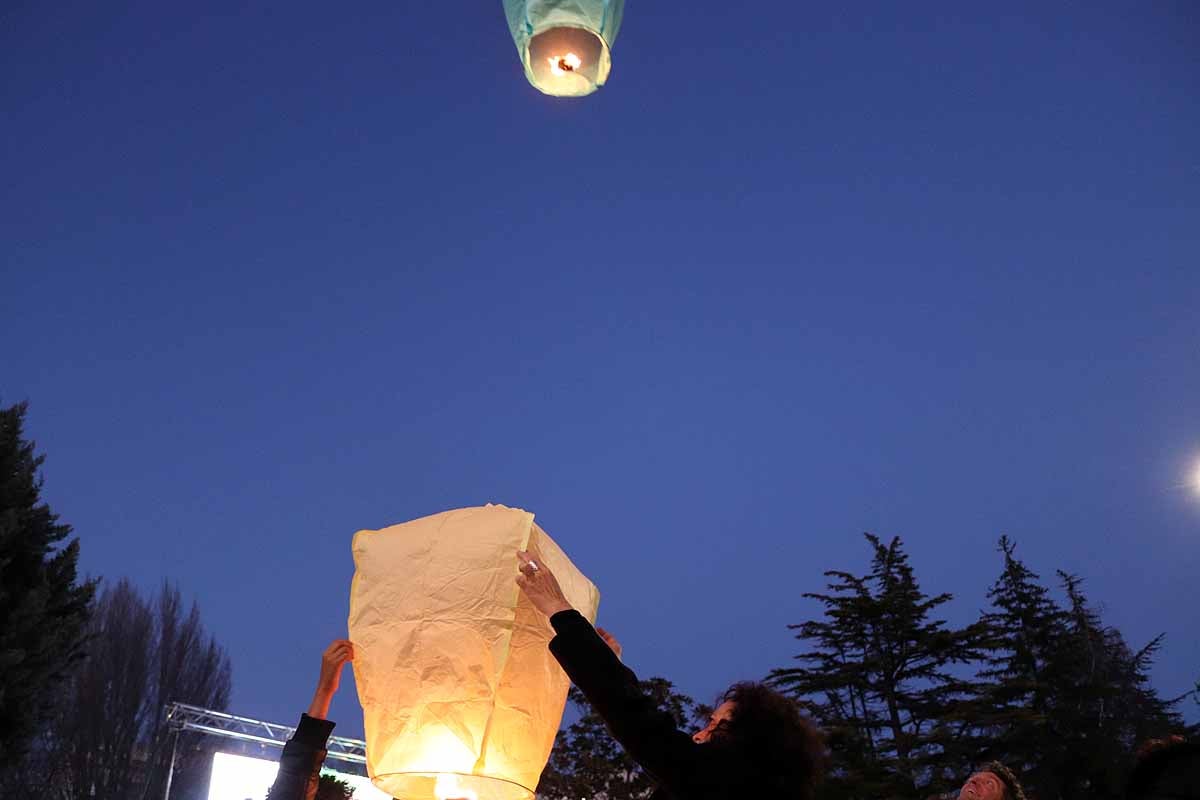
(460, 694)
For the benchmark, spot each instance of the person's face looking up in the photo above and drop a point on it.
(724, 713)
(982, 786)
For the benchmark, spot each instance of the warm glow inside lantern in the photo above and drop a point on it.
(461, 697)
(565, 44)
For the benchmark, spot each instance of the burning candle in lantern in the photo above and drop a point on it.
(565, 45)
(561, 65)
(446, 787)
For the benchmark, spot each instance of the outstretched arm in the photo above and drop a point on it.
(647, 733)
(332, 661)
(300, 764)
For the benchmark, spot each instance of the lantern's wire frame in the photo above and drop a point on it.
(183, 717)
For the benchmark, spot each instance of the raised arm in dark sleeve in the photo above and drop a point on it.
(647, 733)
(300, 765)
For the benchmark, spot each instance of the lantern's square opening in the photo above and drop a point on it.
(449, 786)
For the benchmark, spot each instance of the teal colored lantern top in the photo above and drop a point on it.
(565, 45)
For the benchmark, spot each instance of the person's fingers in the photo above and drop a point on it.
(339, 652)
(530, 561)
(336, 647)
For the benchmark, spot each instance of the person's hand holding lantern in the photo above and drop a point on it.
(540, 585)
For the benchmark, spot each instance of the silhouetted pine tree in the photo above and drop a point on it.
(881, 680)
(43, 607)
(1101, 703)
(1013, 709)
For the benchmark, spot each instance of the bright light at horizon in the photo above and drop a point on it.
(238, 777)
(1195, 481)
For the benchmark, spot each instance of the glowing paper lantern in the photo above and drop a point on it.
(461, 697)
(565, 44)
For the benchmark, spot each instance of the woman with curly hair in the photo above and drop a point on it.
(756, 744)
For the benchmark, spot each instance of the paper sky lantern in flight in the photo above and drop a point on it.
(461, 697)
(565, 45)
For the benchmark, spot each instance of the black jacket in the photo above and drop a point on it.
(300, 764)
(682, 769)
(1169, 773)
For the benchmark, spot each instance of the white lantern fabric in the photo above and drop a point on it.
(565, 45)
(461, 697)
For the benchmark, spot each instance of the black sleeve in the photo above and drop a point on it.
(300, 764)
(648, 734)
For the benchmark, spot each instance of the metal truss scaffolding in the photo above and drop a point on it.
(182, 717)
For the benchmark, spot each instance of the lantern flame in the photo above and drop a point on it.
(447, 788)
(562, 65)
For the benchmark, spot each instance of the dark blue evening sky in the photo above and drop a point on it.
(276, 272)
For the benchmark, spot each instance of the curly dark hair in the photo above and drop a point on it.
(1012, 784)
(768, 730)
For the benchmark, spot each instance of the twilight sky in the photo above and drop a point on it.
(273, 273)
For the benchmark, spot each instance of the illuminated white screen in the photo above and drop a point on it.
(246, 778)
